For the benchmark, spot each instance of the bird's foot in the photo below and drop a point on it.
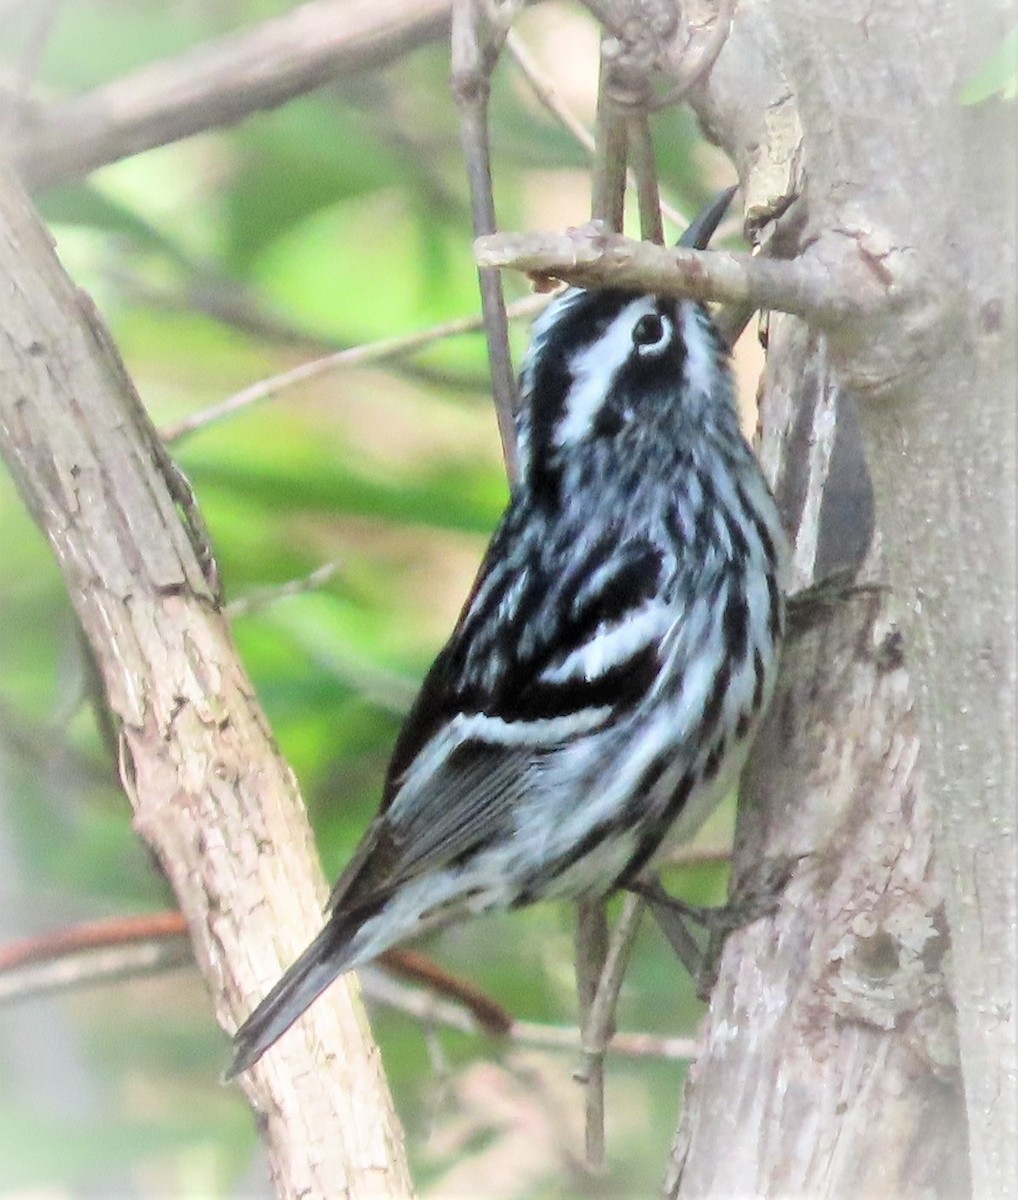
(756, 896)
(813, 606)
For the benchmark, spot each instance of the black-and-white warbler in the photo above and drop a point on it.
(603, 682)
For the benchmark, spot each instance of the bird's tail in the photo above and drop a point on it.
(327, 957)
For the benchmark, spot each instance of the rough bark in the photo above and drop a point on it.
(211, 794)
(828, 1063)
(848, 130)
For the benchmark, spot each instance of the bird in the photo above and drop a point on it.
(602, 685)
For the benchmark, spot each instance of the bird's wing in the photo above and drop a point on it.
(537, 660)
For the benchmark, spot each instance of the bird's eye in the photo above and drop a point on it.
(650, 332)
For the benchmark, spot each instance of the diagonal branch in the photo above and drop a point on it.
(222, 82)
(352, 356)
(211, 794)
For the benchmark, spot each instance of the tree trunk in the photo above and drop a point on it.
(827, 1067)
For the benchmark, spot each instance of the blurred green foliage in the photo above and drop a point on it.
(998, 76)
(339, 218)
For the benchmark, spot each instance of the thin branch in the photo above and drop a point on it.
(92, 935)
(643, 167)
(354, 356)
(262, 598)
(600, 1025)
(221, 82)
(593, 256)
(543, 87)
(608, 185)
(103, 952)
(426, 1007)
(39, 742)
(477, 39)
(86, 968)
(96, 952)
(627, 1044)
(18, 88)
(385, 689)
(148, 943)
(597, 1024)
(591, 956)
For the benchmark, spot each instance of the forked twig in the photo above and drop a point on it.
(601, 963)
(544, 89)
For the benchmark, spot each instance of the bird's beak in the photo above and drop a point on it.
(699, 233)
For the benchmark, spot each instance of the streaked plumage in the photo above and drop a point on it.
(602, 684)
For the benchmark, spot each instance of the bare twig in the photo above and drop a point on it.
(593, 256)
(641, 159)
(220, 83)
(591, 955)
(355, 356)
(103, 952)
(426, 1007)
(148, 943)
(40, 742)
(264, 598)
(232, 304)
(602, 962)
(97, 952)
(543, 87)
(600, 1025)
(608, 185)
(477, 37)
(86, 968)
(627, 1044)
(93, 935)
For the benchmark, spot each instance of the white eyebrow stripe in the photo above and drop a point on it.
(594, 370)
(700, 372)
